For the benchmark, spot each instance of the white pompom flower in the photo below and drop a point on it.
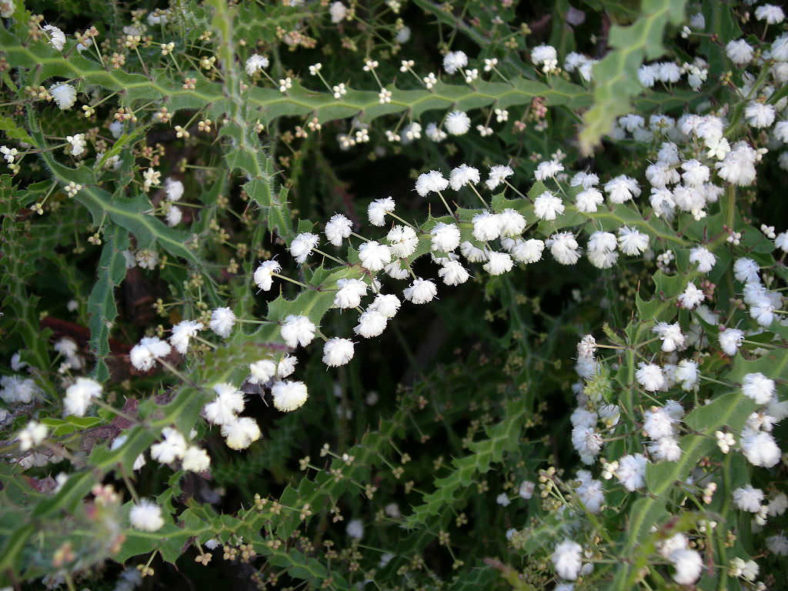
(457, 123)
(64, 95)
(377, 210)
(421, 291)
(222, 321)
(338, 228)
(297, 330)
(445, 237)
(182, 333)
(289, 395)
(264, 274)
(79, 395)
(144, 354)
(374, 256)
(337, 351)
(241, 433)
(547, 206)
(146, 516)
(303, 245)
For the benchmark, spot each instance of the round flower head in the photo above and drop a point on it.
(472, 253)
(32, 435)
(770, 13)
(146, 516)
(457, 123)
(759, 448)
(264, 274)
(144, 354)
(453, 273)
(79, 395)
(730, 340)
(498, 175)
(589, 200)
(289, 395)
(261, 371)
(445, 237)
(454, 60)
(631, 242)
(182, 334)
(567, 559)
(687, 374)
(688, 564)
(564, 248)
(302, 246)
(378, 209)
(297, 330)
(748, 498)
(224, 409)
(338, 12)
(671, 335)
(195, 459)
(337, 352)
(286, 366)
(255, 63)
(463, 175)
(632, 471)
(64, 95)
(602, 249)
(241, 433)
(528, 251)
(621, 189)
(421, 291)
(511, 222)
(746, 270)
(545, 56)
(338, 228)
(349, 293)
(386, 304)
(374, 256)
(430, 182)
(402, 241)
(57, 38)
(739, 52)
(498, 263)
(691, 297)
(371, 323)
(758, 387)
(738, 167)
(547, 206)
(703, 258)
(173, 189)
(547, 170)
(486, 226)
(222, 321)
(650, 376)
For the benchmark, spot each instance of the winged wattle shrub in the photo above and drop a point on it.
(397, 295)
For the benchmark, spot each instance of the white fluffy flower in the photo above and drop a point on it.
(79, 395)
(286, 366)
(57, 38)
(770, 13)
(545, 56)
(472, 253)
(748, 498)
(222, 321)
(302, 246)
(498, 263)
(498, 174)
(297, 330)
(261, 371)
(420, 291)
(402, 241)
(463, 175)
(371, 323)
(229, 402)
(702, 257)
(650, 376)
(386, 304)
(378, 209)
(32, 435)
(457, 123)
(758, 387)
(688, 564)
(564, 248)
(590, 492)
(430, 182)
(547, 206)
(486, 226)
(195, 459)
(338, 12)
(746, 270)
(602, 249)
(289, 395)
(759, 448)
(528, 251)
(738, 167)
(511, 223)
(589, 200)
(64, 95)
(567, 559)
(241, 433)
(665, 449)
(355, 529)
(173, 189)
(454, 60)
(77, 143)
(374, 256)
(739, 52)
(445, 237)
(182, 333)
(146, 516)
(632, 471)
(453, 273)
(547, 170)
(264, 274)
(621, 189)
(691, 297)
(759, 115)
(337, 352)
(144, 354)
(687, 374)
(337, 229)
(631, 242)
(657, 423)
(349, 293)
(671, 335)
(730, 340)
(255, 63)
(172, 448)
